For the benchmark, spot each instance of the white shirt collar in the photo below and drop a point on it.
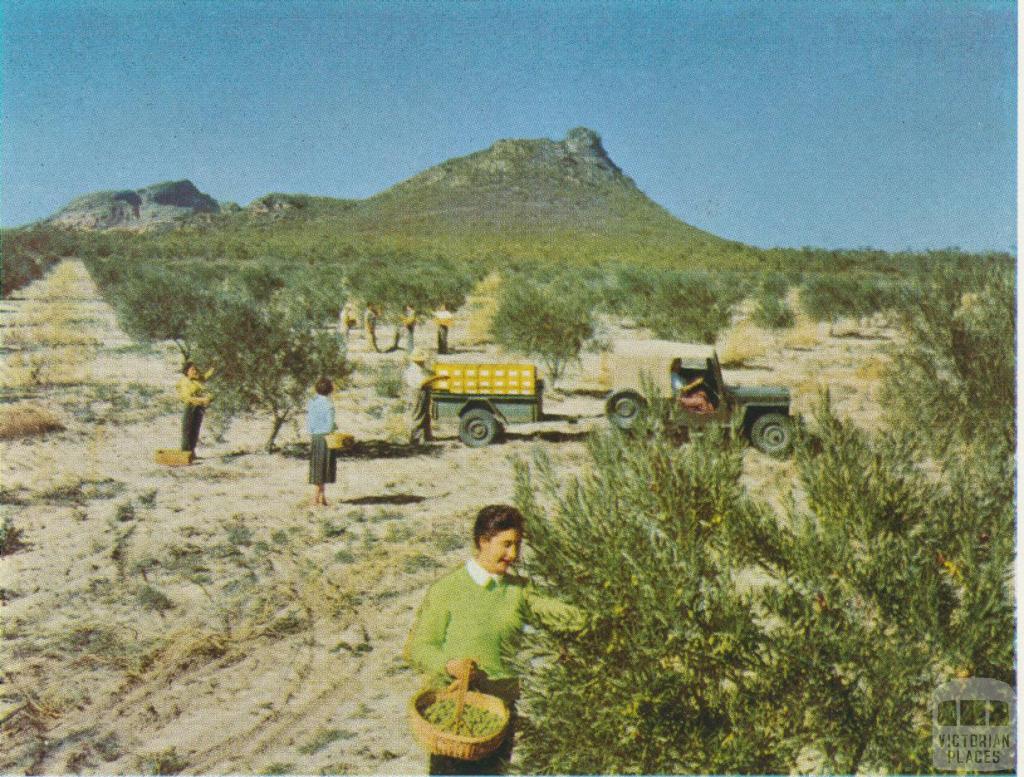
(480, 575)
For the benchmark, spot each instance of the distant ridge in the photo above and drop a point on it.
(520, 199)
(135, 209)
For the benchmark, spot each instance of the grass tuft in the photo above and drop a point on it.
(164, 762)
(27, 420)
(322, 738)
(10, 538)
(744, 343)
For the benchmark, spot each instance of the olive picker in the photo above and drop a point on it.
(409, 322)
(320, 422)
(370, 316)
(470, 621)
(443, 318)
(192, 391)
(348, 318)
(418, 380)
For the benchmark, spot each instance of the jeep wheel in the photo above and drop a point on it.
(624, 409)
(478, 428)
(772, 433)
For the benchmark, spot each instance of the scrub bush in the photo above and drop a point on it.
(387, 380)
(10, 537)
(772, 312)
(688, 305)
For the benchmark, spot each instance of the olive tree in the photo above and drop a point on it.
(156, 303)
(266, 357)
(550, 321)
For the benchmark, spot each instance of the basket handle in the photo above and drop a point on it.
(460, 686)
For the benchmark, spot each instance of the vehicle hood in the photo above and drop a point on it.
(775, 395)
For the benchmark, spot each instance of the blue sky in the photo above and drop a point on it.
(841, 124)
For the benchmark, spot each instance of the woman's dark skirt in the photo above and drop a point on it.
(323, 466)
(190, 423)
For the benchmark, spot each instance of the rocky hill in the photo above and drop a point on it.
(526, 185)
(135, 209)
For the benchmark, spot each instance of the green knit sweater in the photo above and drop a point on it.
(462, 619)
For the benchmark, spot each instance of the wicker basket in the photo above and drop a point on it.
(172, 457)
(445, 743)
(338, 440)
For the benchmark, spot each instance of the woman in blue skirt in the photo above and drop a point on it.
(320, 421)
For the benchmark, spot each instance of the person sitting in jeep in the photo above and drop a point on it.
(693, 398)
(691, 391)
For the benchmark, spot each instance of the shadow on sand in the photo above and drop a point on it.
(385, 499)
(547, 436)
(367, 449)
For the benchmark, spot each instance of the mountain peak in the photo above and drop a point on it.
(586, 144)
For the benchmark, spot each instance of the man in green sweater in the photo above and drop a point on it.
(470, 621)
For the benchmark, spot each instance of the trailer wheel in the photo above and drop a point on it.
(478, 428)
(624, 409)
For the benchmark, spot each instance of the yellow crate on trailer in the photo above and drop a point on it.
(492, 378)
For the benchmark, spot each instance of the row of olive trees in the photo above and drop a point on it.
(728, 636)
(27, 254)
(266, 326)
(263, 335)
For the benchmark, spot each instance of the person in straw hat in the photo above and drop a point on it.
(417, 380)
(470, 620)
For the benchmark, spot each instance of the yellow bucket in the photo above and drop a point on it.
(338, 440)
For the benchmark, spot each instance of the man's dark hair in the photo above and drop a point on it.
(186, 367)
(495, 519)
(324, 386)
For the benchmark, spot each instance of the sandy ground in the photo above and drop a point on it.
(205, 619)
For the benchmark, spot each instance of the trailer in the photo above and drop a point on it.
(485, 398)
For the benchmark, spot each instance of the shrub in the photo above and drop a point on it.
(679, 305)
(151, 598)
(164, 762)
(388, 380)
(772, 312)
(835, 295)
(548, 321)
(28, 254)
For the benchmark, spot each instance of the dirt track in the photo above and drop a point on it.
(205, 619)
